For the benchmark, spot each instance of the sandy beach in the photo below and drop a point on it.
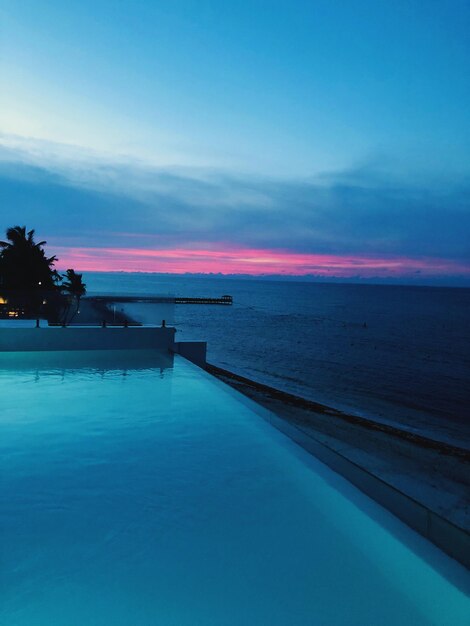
(431, 472)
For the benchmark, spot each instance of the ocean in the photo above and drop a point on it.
(400, 354)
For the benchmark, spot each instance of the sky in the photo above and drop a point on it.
(323, 139)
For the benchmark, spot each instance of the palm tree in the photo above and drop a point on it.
(30, 281)
(76, 288)
(24, 265)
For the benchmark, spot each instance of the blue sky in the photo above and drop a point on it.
(327, 127)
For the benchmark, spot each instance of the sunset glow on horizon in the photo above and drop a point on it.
(250, 261)
(328, 140)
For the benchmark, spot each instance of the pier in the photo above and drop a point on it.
(111, 299)
(225, 300)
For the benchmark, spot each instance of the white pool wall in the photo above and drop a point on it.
(20, 339)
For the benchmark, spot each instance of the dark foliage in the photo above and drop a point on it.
(74, 286)
(24, 264)
(29, 281)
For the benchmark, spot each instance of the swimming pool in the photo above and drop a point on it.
(137, 490)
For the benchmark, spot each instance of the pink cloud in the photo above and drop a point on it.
(250, 261)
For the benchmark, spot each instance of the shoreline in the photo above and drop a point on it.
(388, 396)
(244, 383)
(432, 473)
(93, 313)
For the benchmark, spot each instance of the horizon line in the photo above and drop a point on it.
(451, 282)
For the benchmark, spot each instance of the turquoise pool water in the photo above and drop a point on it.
(136, 490)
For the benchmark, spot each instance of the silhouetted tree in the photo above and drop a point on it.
(75, 288)
(30, 281)
(24, 265)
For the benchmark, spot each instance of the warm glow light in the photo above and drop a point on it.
(3, 301)
(253, 261)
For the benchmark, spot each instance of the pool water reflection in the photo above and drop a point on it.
(137, 490)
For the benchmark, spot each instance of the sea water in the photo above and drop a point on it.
(400, 354)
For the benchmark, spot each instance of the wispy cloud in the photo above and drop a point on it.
(254, 261)
(134, 215)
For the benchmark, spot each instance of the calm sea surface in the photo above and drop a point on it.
(399, 354)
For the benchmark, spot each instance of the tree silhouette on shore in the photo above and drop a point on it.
(24, 264)
(29, 279)
(75, 288)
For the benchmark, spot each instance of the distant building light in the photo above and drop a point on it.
(12, 313)
(3, 300)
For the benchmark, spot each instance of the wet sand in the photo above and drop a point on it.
(435, 474)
